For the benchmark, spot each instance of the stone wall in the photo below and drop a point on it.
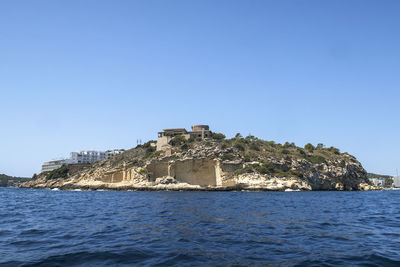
(203, 172)
(157, 169)
(194, 171)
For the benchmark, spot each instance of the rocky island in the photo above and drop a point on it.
(202, 160)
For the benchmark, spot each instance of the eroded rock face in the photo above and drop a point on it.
(203, 168)
(194, 171)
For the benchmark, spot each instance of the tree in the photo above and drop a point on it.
(238, 136)
(240, 146)
(287, 144)
(309, 147)
(218, 136)
(251, 138)
(178, 140)
(334, 150)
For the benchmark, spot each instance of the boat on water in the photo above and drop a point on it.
(291, 190)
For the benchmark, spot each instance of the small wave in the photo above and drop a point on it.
(102, 258)
(367, 260)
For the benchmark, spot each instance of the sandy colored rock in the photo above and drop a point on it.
(206, 166)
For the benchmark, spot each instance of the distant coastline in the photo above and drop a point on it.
(6, 180)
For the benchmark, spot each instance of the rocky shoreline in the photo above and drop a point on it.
(215, 165)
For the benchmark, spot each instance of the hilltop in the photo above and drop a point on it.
(216, 164)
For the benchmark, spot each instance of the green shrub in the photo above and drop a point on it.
(251, 138)
(227, 143)
(246, 158)
(143, 171)
(281, 173)
(178, 140)
(150, 149)
(147, 144)
(334, 150)
(270, 143)
(309, 147)
(285, 151)
(316, 159)
(218, 136)
(288, 145)
(342, 163)
(61, 172)
(155, 154)
(301, 152)
(149, 152)
(208, 143)
(240, 146)
(262, 169)
(227, 156)
(185, 146)
(238, 136)
(298, 174)
(254, 146)
(247, 169)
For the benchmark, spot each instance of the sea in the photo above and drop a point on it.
(40, 227)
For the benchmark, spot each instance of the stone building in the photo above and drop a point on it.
(198, 131)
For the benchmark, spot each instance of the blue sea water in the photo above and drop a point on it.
(93, 228)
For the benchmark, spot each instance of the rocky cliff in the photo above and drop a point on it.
(216, 164)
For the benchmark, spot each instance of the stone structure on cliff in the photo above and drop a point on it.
(164, 137)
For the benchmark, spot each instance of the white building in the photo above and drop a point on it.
(91, 156)
(396, 181)
(53, 164)
(378, 181)
(83, 157)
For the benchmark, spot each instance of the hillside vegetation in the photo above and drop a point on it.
(246, 161)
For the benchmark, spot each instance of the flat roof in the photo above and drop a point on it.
(174, 129)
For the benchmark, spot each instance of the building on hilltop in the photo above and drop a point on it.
(83, 157)
(198, 131)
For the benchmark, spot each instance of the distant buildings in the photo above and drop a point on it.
(88, 157)
(378, 181)
(396, 181)
(53, 164)
(83, 157)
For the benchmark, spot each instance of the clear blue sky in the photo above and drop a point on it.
(78, 75)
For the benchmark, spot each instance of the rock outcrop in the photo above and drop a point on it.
(239, 163)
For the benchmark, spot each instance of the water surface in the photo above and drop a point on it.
(68, 228)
